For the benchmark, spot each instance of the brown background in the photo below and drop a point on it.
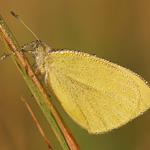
(118, 31)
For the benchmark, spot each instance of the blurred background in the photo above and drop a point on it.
(118, 31)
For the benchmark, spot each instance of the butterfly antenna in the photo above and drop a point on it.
(16, 16)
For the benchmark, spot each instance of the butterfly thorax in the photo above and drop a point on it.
(41, 55)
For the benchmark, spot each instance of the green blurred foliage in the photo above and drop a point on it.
(118, 31)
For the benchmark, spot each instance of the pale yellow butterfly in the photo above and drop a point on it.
(97, 94)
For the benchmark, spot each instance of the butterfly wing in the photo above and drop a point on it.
(97, 94)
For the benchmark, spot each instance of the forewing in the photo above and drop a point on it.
(97, 94)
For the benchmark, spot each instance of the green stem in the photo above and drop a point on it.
(43, 99)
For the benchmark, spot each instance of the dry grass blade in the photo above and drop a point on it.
(43, 99)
